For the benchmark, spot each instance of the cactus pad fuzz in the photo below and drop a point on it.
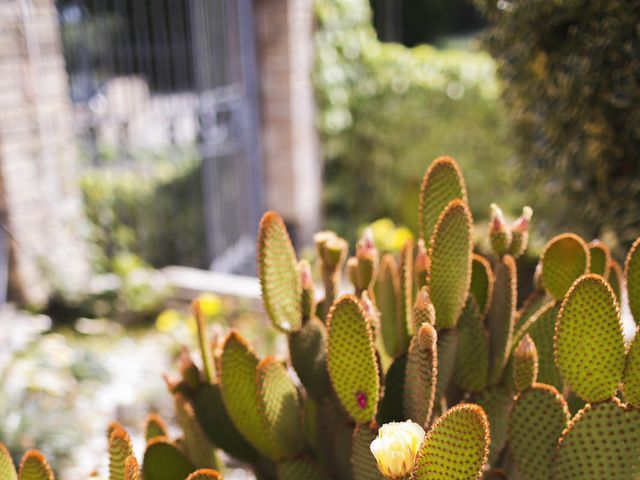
(450, 251)
(300, 469)
(442, 183)
(472, 362)
(351, 359)
(601, 442)
(239, 392)
(34, 467)
(7, 470)
(482, 280)
(589, 346)
(539, 416)
(632, 273)
(308, 357)
(564, 259)
(279, 278)
(280, 406)
(421, 374)
(131, 468)
(119, 449)
(456, 447)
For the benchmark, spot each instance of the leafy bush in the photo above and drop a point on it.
(385, 109)
(572, 70)
(153, 210)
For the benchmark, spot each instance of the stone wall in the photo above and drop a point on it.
(289, 138)
(39, 199)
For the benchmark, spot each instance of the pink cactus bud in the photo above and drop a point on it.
(365, 247)
(497, 222)
(522, 223)
(361, 398)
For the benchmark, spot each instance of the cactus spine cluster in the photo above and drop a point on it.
(544, 390)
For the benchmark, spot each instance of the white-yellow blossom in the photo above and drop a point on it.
(396, 447)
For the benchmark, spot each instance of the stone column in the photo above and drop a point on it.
(289, 137)
(39, 196)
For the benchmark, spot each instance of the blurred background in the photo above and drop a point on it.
(141, 141)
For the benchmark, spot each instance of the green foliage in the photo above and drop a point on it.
(153, 211)
(563, 260)
(420, 376)
(384, 110)
(164, 461)
(570, 73)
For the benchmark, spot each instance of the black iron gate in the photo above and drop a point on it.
(168, 75)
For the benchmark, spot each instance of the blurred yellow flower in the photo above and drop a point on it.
(210, 304)
(396, 447)
(167, 320)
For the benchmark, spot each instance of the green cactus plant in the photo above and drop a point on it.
(434, 337)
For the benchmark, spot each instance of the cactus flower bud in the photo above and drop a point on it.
(499, 232)
(395, 448)
(525, 364)
(520, 233)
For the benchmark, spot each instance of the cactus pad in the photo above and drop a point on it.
(131, 468)
(351, 359)
(601, 442)
(199, 450)
(216, 424)
(539, 416)
(472, 362)
(7, 470)
(501, 316)
(421, 374)
(308, 357)
(119, 449)
(631, 379)
(280, 407)
(406, 292)
(482, 280)
(34, 467)
(456, 447)
(496, 401)
(599, 258)
(391, 405)
(441, 183)
(589, 346)
(154, 426)
(300, 469)
(447, 352)
(281, 287)
(240, 396)
(450, 251)
(632, 274)
(205, 474)
(564, 259)
(163, 461)
(388, 300)
(362, 462)
(616, 280)
(541, 327)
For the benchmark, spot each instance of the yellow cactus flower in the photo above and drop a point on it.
(210, 304)
(396, 447)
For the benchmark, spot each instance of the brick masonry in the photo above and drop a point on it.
(39, 196)
(289, 137)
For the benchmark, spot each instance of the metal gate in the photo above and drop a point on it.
(174, 75)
